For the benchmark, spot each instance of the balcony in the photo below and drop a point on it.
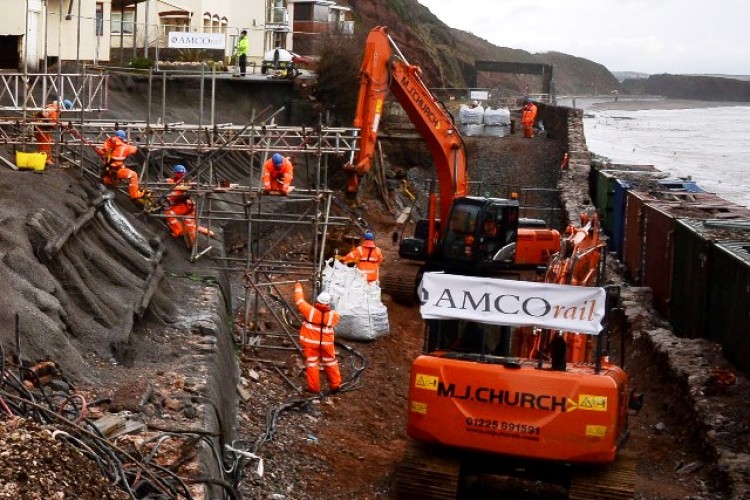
(277, 19)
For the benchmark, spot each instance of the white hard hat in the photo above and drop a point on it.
(324, 298)
(475, 103)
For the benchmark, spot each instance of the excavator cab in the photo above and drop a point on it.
(480, 234)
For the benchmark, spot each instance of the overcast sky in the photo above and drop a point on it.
(650, 36)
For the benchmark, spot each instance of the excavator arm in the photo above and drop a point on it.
(385, 68)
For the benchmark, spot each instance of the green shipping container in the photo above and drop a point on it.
(604, 200)
(689, 296)
(691, 272)
(729, 300)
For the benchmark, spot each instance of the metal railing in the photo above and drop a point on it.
(33, 92)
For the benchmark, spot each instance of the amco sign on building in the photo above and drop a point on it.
(183, 40)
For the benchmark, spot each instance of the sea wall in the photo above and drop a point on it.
(567, 124)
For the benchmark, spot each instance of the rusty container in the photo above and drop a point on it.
(691, 271)
(659, 217)
(633, 235)
(729, 300)
(634, 225)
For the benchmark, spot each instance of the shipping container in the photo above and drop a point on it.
(619, 204)
(597, 167)
(643, 180)
(729, 300)
(659, 236)
(691, 276)
(633, 230)
(632, 245)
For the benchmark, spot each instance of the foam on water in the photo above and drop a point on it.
(710, 145)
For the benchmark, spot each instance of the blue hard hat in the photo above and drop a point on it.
(179, 169)
(121, 134)
(369, 235)
(527, 100)
(277, 159)
(67, 104)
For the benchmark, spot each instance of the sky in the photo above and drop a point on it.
(648, 36)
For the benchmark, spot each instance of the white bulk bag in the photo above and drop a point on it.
(364, 317)
(500, 116)
(470, 115)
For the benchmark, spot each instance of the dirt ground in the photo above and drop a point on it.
(348, 445)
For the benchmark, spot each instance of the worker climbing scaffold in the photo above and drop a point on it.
(180, 209)
(114, 152)
(50, 114)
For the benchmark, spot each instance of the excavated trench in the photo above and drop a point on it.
(133, 326)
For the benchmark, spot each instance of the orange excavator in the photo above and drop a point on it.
(500, 398)
(464, 234)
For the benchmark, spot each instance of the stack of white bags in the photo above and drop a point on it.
(471, 120)
(480, 121)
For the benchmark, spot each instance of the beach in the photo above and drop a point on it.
(624, 103)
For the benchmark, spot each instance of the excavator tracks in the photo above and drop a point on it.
(402, 289)
(614, 482)
(427, 473)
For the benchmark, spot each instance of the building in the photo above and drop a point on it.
(315, 18)
(36, 34)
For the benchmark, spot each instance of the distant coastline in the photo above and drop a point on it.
(637, 105)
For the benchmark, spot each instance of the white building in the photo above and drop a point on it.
(35, 34)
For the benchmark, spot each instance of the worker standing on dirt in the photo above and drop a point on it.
(528, 117)
(114, 152)
(317, 338)
(278, 174)
(240, 50)
(51, 114)
(367, 256)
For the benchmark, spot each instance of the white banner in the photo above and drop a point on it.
(186, 40)
(515, 303)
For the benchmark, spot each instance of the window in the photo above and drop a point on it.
(124, 21)
(99, 18)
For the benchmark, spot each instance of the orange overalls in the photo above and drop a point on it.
(116, 150)
(181, 212)
(528, 116)
(368, 258)
(50, 113)
(316, 337)
(278, 179)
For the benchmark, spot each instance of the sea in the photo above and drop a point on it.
(710, 145)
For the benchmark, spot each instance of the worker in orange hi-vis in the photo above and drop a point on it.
(51, 114)
(367, 256)
(528, 117)
(278, 174)
(115, 150)
(316, 336)
(180, 209)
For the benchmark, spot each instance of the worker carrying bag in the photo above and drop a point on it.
(364, 317)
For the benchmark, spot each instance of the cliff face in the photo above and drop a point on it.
(446, 55)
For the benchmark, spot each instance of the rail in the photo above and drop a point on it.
(33, 91)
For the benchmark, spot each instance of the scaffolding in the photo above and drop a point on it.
(285, 238)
